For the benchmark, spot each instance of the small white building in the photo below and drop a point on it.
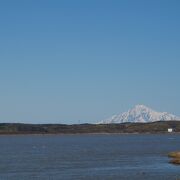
(170, 130)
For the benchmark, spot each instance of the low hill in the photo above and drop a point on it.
(154, 127)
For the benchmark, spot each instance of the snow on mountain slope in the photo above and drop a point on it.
(140, 113)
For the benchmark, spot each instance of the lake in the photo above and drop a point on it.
(56, 157)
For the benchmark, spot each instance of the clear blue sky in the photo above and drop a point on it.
(83, 61)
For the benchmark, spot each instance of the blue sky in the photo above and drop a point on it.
(83, 61)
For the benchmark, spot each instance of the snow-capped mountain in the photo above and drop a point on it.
(140, 113)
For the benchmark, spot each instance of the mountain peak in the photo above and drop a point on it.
(141, 106)
(140, 113)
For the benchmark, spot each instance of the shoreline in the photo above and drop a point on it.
(160, 127)
(74, 134)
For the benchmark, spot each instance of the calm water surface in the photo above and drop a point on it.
(56, 157)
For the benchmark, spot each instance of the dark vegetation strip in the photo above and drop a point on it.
(154, 127)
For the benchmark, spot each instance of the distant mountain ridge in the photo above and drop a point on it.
(140, 113)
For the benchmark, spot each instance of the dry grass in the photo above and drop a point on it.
(175, 156)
